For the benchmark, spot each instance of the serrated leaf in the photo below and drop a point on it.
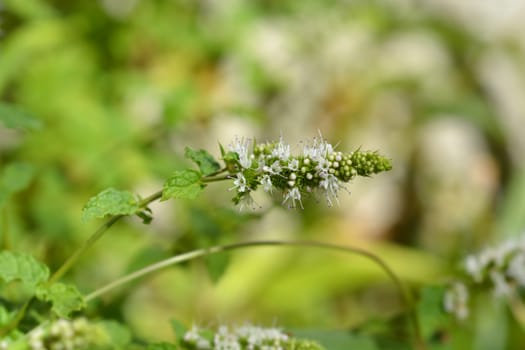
(207, 164)
(110, 202)
(184, 184)
(22, 267)
(15, 177)
(65, 298)
(14, 117)
(217, 265)
(120, 335)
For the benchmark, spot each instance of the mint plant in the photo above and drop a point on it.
(48, 315)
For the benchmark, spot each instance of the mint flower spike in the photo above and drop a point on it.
(319, 169)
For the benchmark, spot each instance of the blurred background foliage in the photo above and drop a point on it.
(119, 87)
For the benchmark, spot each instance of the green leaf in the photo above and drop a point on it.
(162, 346)
(22, 267)
(110, 202)
(65, 298)
(184, 184)
(432, 317)
(13, 117)
(179, 328)
(207, 164)
(217, 265)
(337, 340)
(120, 335)
(15, 178)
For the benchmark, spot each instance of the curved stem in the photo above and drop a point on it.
(215, 179)
(405, 294)
(66, 266)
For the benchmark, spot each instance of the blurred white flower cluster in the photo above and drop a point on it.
(500, 268)
(245, 337)
(66, 335)
(318, 169)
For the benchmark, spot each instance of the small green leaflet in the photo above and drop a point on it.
(184, 184)
(65, 298)
(110, 202)
(13, 117)
(207, 164)
(22, 267)
(14, 178)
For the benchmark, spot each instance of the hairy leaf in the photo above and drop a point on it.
(110, 202)
(13, 117)
(207, 164)
(65, 298)
(22, 267)
(185, 184)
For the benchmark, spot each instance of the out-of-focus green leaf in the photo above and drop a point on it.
(207, 164)
(22, 267)
(14, 117)
(119, 334)
(64, 298)
(162, 346)
(15, 178)
(30, 9)
(184, 184)
(432, 318)
(337, 340)
(110, 202)
(217, 265)
(179, 328)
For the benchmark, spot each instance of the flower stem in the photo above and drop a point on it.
(405, 294)
(66, 266)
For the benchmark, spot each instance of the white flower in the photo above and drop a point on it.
(318, 150)
(281, 150)
(293, 164)
(516, 268)
(293, 195)
(474, 268)
(240, 183)
(266, 182)
(502, 287)
(247, 201)
(331, 186)
(456, 301)
(241, 147)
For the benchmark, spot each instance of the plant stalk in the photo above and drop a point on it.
(405, 294)
(66, 266)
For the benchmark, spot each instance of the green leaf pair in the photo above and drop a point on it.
(33, 275)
